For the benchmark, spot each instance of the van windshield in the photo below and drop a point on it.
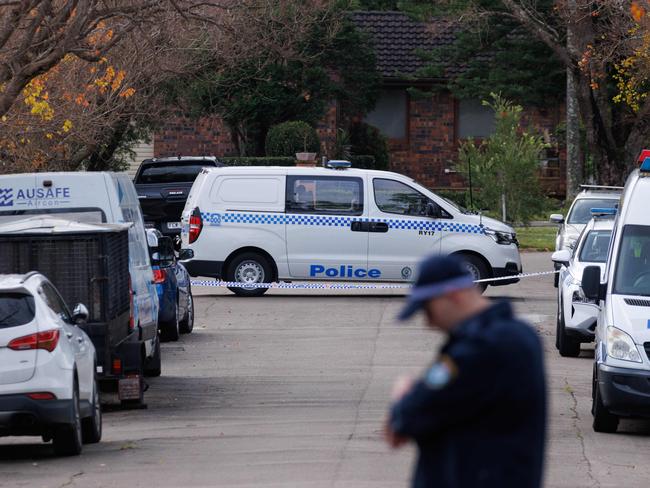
(83, 215)
(581, 211)
(633, 265)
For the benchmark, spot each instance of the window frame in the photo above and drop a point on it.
(443, 213)
(46, 289)
(290, 185)
(407, 120)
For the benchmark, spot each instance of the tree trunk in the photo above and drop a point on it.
(574, 165)
(100, 160)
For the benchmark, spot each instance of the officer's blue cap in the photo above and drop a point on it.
(437, 276)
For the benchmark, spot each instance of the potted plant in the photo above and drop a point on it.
(305, 158)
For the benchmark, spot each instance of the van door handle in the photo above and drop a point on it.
(378, 227)
(357, 226)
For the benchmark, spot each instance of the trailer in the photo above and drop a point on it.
(89, 264)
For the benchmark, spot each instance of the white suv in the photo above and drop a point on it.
(47, 366)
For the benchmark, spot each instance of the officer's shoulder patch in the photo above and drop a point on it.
(441, 373)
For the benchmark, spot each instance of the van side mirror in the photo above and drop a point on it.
(557, 218)
(591, 282)
(186, 254)
(80, 314)
(561, 257)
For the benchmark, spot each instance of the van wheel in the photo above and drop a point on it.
(477, 268)
(68, 438)
(604, 421)
(249, 268)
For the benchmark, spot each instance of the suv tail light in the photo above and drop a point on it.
(159, 276)
(42, 395)
(196, 225)
(42, 340)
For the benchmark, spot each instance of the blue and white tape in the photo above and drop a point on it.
(343, 286)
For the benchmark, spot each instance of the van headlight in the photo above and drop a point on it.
(621, 346)
(500, 237)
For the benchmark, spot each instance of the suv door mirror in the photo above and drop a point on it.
(561, 257)
(165, 253)
(591, 282)
(186, 254)
(80, 314)
(557, 218)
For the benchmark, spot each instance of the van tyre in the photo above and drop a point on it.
(477, 268)
(568, 346)
(153, 365)
(171, 331)
(604, 421)
(249, 268)
(68, 439)
(187, 324)
(92, 426)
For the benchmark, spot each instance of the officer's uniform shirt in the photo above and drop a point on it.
(478, 415)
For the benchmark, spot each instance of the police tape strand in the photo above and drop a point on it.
(343, 286)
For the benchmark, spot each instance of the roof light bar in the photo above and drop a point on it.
(603, 212)
(644, 169)
(339, 164)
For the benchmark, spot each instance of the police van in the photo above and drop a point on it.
(95, 197)
(621, 372)
(262, 224)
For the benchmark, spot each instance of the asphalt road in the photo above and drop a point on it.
(290, 390)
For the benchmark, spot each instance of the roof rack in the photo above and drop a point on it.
(600, 187)
(28, 276)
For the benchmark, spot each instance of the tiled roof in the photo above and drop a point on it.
(397, 38)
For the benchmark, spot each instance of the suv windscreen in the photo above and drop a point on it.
(16, 309)
(173, 172)
(581, 211)
(595, 247)
(633, 265)
(83, 215)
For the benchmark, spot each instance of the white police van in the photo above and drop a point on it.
(94, 197)
(262, 224)
(621, 373)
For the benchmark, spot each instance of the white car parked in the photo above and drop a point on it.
(576, 314)
(47, 366)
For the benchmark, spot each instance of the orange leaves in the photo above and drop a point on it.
(637, 11)
(129, 92)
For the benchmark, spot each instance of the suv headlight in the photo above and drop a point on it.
(500, 237)
(621, 346)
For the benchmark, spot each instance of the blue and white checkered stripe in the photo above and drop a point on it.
(337, 221)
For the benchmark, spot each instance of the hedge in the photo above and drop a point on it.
(289, 138)
(258, 161)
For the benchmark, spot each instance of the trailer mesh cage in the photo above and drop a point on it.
(78, 265)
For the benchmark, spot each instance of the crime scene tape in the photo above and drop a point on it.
(342, 286)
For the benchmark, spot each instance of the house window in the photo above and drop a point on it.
(390, 114)
(474, 119)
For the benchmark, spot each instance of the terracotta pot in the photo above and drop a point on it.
(305, 156)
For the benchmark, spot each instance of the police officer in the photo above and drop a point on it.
(478, 414)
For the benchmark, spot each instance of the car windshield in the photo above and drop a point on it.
(581, 211)
(85, 215)
(633, 265)
(595, 246)
(170, 173)
(16, 309)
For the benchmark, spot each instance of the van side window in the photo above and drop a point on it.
(397, 198)
(325, 195)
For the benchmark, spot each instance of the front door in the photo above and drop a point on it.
(327, 237)
(402, 233)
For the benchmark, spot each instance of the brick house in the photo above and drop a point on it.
(423, 133)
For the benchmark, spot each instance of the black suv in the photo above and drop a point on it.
(163, 185)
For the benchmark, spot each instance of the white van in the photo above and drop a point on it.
(621, 373)
(263, 224)
(94, 197)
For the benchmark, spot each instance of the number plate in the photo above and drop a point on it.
(173, 225)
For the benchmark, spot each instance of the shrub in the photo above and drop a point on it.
(366, 139)
(289, 138)
(262, 161)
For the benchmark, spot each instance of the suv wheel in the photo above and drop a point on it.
(187, 324)
(568, 346)
(249, 268)
(68, 438)
(152, 365)
(92, 426)
(170, 332)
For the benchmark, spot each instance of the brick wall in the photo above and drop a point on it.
(207, 136)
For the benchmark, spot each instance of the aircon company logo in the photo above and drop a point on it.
(6, 197)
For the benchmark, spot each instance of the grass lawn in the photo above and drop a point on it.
(536, 238)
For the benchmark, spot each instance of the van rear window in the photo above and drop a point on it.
(16, 309)
(83, 215)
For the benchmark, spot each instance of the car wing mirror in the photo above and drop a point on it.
(591, 286)
(186, 254)
(80, 314)
(557, 218)
(561, 257)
